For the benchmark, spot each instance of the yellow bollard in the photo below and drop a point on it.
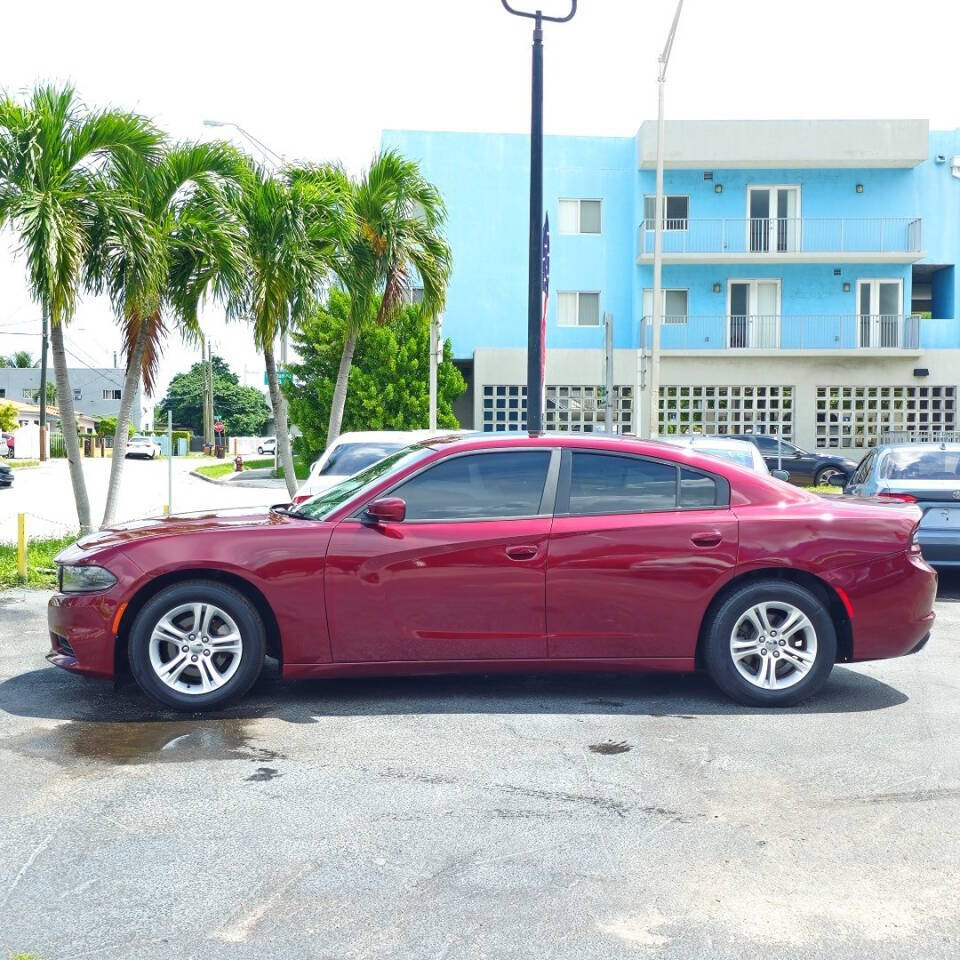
(166, 509)
(22, 547)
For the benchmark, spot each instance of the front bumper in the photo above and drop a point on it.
(82, 632)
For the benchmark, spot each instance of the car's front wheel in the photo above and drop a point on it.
(260, 451)
(196, 645)
(825, 476)
(772, 643)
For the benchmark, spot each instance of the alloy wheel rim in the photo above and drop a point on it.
(773, 645)
(195, 648)
(828, 473)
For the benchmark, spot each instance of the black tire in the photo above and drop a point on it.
(824, 473)
(260, 451)
(719, 658)
(236, 606)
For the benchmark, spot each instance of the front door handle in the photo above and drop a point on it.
(522, 552)
(708, 538)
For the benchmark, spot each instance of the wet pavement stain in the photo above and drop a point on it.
(601, 702)
(176, 741)
(610, 747)
(263, 774)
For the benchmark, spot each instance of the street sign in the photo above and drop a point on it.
(283, 376)
(218, 427)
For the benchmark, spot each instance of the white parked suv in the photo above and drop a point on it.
(352, 452)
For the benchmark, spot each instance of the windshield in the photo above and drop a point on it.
(321, 506)
(743, 457)
(921, 464)
(346, 459)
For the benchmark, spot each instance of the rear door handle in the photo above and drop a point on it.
(522, 552)
(708, 538)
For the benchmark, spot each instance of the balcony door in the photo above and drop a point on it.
(879, 310)
(774, 219)
(753, 309)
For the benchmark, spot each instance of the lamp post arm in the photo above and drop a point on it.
(541, 16)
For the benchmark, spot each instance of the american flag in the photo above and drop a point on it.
(545, 286)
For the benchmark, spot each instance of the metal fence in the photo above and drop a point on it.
(920, 436)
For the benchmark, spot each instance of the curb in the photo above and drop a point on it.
(254, 482)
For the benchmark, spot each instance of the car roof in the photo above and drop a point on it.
(692, 439)
(387, 436)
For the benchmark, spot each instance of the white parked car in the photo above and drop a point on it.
(267, 445)
(352, 452)
(726, 448)
(140, 446)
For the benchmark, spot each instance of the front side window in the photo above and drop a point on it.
(676, 212)
(579, 216)
(478, 486)
(578, 309)
(601, 483)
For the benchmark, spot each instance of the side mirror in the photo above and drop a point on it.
(387, 510)
(838, 480)
(781, 475)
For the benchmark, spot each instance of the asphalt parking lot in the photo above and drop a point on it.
(485, 817)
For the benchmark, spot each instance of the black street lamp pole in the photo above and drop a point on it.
(535, 288)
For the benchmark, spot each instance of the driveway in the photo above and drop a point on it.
(44, 493)
(498, 817)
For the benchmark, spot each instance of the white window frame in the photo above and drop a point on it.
(663, 306)
(752, 282)
(578, 325)
(579, 202)
(794, 244)
(874, 315)
(650, 223)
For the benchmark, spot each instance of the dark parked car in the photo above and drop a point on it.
(6, 475)
(805, 468)
(927, 474)
(504, 552)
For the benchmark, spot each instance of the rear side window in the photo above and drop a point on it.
(600, 483)
(478, 486)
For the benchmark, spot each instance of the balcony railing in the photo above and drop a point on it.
(806, 332)
(786, 236)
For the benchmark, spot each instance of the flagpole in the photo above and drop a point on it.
(535, 348)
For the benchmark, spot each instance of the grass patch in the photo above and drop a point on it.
(40, 566)
(826, 488)
(20, 464)
(217, 470)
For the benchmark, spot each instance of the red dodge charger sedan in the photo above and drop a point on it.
(504, 552)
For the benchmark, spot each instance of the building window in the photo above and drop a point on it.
(28, 393)
(416, 294)
(677, 212)
(580, 216)
(674, 305)
(575, 408)
(111, 394)
(77, 393)
(578, 309)
(3, 392)
(861, 416)
(727, 409)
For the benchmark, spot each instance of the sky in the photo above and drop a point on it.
(320, 80)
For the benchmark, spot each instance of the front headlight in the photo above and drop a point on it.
(83, 578)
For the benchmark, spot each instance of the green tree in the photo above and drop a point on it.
(398, 219)
(292, 222)
(107, 427)
(21, 359)
(389, 386)
(54, 154)
(51, 395)
(244, 410)
(157, 266)
(8, 419)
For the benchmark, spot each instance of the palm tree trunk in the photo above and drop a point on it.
(68, 424)
(130, 383)
(279, 403)
(340, 390)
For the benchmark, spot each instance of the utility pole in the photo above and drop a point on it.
(608, 387)
(535, 304)
(436, 358)
(660, 212)
(45, 323)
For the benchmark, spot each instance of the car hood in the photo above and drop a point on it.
(122, 534)
(836, 461)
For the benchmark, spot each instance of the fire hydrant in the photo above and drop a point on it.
(238, 463)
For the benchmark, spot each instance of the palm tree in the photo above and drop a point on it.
(292, 222)
(53, 157)
(398, 230)
(182, 242)
(21, 359)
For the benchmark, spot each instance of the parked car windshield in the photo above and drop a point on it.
(742, 457)
(349, 458)
(321, 506)
(915, 463)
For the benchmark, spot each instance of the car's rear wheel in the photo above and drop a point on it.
(771, 643)
(197, 645)
(260, 451)
(825, 474)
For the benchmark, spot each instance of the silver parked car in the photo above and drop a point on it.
(927, 474)
(727, 448)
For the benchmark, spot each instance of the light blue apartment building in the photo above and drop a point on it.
(810, 281)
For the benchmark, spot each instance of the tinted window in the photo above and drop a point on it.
(921, 464)
(348, 458)
(609, 484)
(697, 489)
(477, 486)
